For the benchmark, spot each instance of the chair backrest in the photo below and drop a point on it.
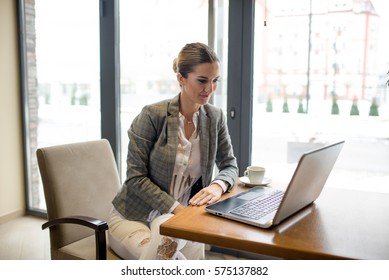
(78, 179)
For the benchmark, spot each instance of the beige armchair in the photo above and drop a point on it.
(79, 181)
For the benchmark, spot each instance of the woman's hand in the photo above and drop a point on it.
(207, 195)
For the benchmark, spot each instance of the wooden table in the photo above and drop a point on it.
(341, 224)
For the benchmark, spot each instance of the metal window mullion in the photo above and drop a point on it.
(110, 75)
(240, 78)
(24, 101)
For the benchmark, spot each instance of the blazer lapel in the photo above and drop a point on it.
(204, 143)
(171, 133)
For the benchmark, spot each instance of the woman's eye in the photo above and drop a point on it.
(216, 81)
(202, 81)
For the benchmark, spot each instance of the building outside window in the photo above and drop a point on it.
(319, 76)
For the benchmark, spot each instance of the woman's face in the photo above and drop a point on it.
(200, 84)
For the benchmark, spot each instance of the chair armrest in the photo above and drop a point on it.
(99, 226)
(90, 222)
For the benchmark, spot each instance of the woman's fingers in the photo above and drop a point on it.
(207, 195)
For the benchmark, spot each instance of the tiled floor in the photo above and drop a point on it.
(23, 239)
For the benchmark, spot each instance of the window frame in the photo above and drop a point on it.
(240, 88)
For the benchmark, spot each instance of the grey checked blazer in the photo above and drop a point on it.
(153, 140)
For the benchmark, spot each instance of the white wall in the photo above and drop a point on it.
(11, 153)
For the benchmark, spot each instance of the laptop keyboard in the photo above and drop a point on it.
(261, 206)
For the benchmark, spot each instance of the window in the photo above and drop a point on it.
(150, 41)
(148, 44)
(62, 88)
(319, 76)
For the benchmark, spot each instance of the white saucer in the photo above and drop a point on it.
(245, 180)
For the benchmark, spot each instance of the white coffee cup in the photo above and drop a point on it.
(255, 174)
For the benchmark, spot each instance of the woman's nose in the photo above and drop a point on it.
(209, 87)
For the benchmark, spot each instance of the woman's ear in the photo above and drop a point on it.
(180, 79)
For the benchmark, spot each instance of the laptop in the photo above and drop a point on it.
(267, 206)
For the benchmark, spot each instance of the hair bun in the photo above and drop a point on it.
(175, 65)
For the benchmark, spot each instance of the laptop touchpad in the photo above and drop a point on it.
(249, 195)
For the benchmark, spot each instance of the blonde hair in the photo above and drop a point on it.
(192, 55)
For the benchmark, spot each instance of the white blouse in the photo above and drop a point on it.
(187, 169)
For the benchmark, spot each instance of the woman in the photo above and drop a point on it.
(173, 147)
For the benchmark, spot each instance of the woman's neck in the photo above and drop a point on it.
(188, 108)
